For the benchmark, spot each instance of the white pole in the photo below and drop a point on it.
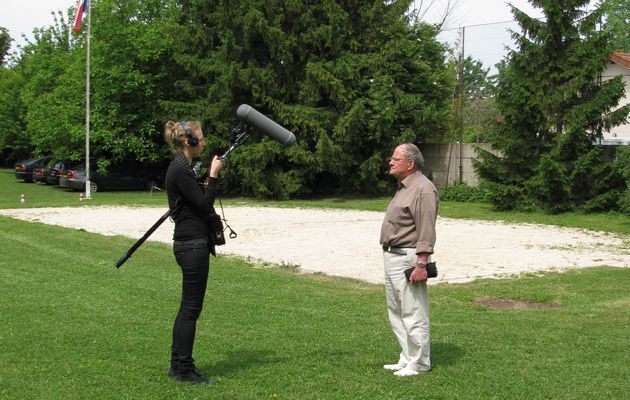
(87, 107)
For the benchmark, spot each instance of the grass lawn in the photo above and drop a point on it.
(74, 327)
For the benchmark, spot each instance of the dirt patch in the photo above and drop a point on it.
(503, 304)
(345, 242)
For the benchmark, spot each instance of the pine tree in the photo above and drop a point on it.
(555, 108)
(350, 78)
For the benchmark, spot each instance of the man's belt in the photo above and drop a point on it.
(395, 249)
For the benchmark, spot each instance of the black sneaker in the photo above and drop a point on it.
(194, 376)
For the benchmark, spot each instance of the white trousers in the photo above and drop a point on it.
(408, 309)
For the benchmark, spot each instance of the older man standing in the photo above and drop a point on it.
(408, 239)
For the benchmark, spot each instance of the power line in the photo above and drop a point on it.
(474, 25)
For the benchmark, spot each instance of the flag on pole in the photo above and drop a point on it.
(82, 6)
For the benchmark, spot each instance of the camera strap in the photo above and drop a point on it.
(232, 234)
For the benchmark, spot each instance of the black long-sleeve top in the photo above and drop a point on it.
(196, 202)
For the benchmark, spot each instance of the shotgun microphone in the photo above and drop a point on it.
(265, 125)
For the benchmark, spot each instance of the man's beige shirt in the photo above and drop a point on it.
(410, 217)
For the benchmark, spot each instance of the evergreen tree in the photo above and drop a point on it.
(350, 78)
(477, 83)
(617, 16)
(555, 108)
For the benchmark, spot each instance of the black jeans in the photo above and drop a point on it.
(194, 261)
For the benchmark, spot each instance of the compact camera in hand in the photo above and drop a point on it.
(431, 271)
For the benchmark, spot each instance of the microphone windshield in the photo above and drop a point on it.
(267, 126)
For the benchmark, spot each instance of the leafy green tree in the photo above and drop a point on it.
(13, 142)
(617, 16)
(42, 64)
(479, 104)
(53, 91)
(554, 109)
(5, 45)
(351, 79)
(13, 146)
(131, 63)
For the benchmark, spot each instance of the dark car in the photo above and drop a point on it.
(40, 174)
(117, 178)
(24, 169)
(55, 172)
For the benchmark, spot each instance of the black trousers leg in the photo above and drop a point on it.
(194, 261)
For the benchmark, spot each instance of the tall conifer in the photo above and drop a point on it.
(554, 109)
(350, 78)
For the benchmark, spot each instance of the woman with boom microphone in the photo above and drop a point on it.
(192, 204)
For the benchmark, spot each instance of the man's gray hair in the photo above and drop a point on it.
(412, 152)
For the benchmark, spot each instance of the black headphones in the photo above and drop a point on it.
(193, 141)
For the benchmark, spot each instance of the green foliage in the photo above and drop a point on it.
(463, 192)
(477, 83)
(554, 108)
(131, 68)
(132, 59)
(622, 166)
(350, 79)
(504, 197)
(617, 22)
(550, 185)
(5, 45)
(14, 143)
(622, 162)
(479, 119)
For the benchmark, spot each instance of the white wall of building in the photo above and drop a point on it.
(614, 69)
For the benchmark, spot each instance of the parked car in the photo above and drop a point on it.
(40, 174)
(24, 169)
(118, 178)
(55, 172)
(66, 174)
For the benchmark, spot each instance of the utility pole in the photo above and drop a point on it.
(461, 107)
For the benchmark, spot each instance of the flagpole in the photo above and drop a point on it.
(87, 107)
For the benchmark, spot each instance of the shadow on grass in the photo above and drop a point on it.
(240, 360)
(445, 354)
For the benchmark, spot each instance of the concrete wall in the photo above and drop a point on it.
(436, 163)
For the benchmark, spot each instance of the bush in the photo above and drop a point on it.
(622, 164)
(504, 197)
(465, 193)
(609, 201)
(624, 202)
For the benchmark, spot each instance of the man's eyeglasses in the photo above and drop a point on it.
(394, 159)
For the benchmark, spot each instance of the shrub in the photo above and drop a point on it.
(624, 202)
(465, 193)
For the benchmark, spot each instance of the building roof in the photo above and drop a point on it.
(620, 57)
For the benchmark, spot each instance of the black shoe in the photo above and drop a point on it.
(172, 373)
(194, 376)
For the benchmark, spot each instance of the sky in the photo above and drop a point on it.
(486, 43)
